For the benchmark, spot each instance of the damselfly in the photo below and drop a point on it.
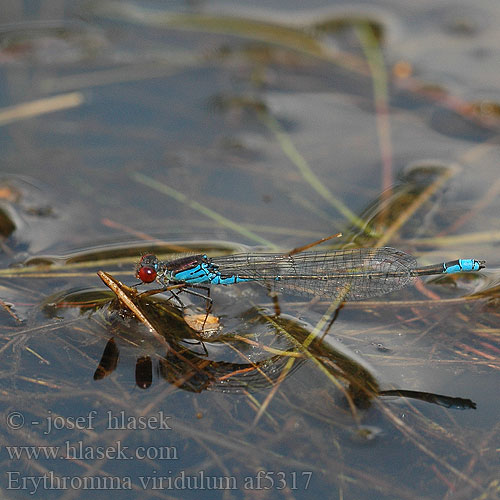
(350, 274)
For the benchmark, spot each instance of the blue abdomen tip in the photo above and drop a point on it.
(461, 265)
(469, 264)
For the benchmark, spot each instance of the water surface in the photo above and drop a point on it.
(218, 128)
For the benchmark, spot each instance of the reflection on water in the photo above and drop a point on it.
(191, 371)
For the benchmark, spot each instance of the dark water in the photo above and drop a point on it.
(218, 128)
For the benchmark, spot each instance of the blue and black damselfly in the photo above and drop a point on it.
(350, 274)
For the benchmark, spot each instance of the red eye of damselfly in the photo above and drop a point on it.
(146, 274)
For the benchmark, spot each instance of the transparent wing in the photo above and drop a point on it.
(354, 273)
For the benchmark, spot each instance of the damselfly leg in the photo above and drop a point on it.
(187, 288)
